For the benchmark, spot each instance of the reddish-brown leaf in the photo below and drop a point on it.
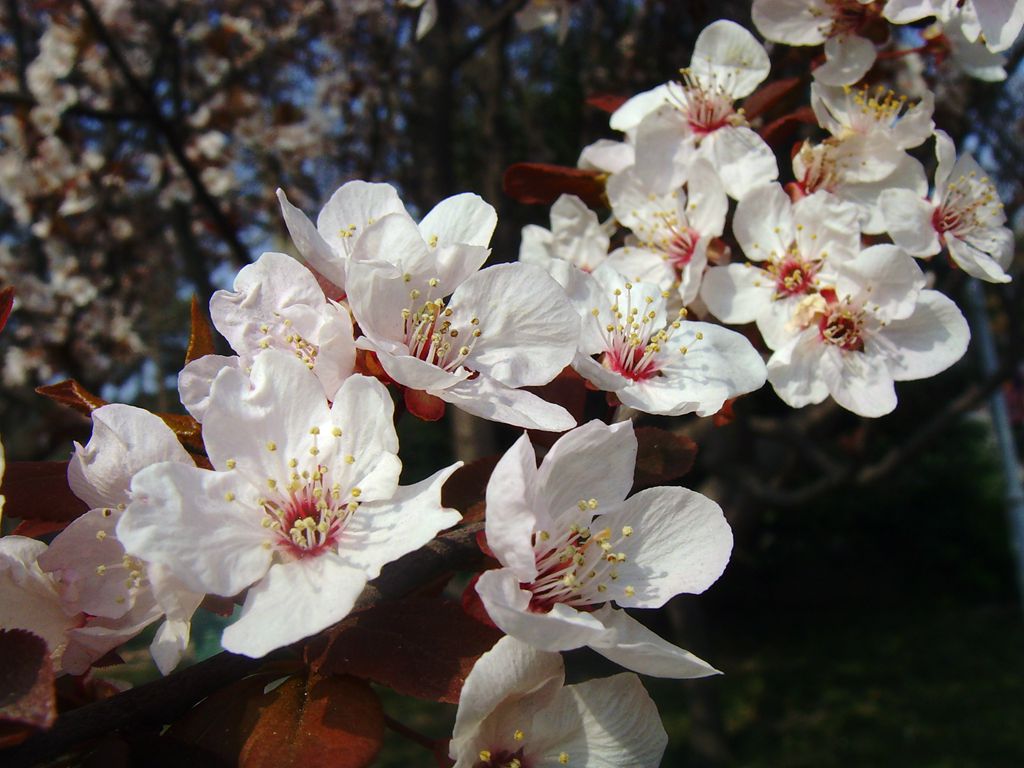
(39, 491)
(431, 645)
(332, 722)
(769, 96)
(26, 679)
(73, 395)
(6, 304)
(777, 132)
(200, 339)
(36, 529)
(423, 405)
(188, 430)
(725, 415)
(542, 183)
(607, 102)
(468, 484)
(662, 456)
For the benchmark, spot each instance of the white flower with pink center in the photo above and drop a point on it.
(877, 325)
(630, 346)
(964, 215)
(516, 711)
(698, 117)
(276, 304)
(302, 508)
(836, 23)
(793, 249)
(94, 573)
(571, 544)
(671, 229)
(576, 236)
(459, 223)
(471, 338)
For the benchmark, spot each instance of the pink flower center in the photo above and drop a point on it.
(705, 106)
(842, 326)
(967, 204)
(576, 568)
(309, 519)
(431, 333)
(793, 276)
(682, 247)
(501, 759)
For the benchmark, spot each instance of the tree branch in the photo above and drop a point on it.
(164, 700)
(153, 113)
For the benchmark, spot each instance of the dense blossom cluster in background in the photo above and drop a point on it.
(709, 263)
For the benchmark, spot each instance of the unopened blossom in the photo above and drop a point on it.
(576, 236)
(572, 547)
(653, 362)
(462, 223)
(877, 325)
(671, 228)
(515, 711)
(302, 506)
(792, 250)
(964, 215)
(276, 304)
(472, 338)
(698, 117)
(94, 573)
(836, 23)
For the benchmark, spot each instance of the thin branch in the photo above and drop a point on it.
(165, 700)
(487, 29)
(213, 209)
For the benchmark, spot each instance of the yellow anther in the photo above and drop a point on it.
(563, 758)
(229, 496)
(271, 445)
(630, 591)
(627, 530)
(699, 336)
(293, 463)
(101, 535)
(336, 431)
(100, 570)
(592, 503)
(107, 512)
(271, 483)
(350, 459)
(230, 463)
(485, 755)
(355, 493)
(314, 451)
(518, 735)
(314, 431)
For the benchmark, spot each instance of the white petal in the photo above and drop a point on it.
(312, 246)
(629, 643)
(594, 461)
(492, 400)
(180, 517)
(529, 330)
(415, 373)
(763, 223)
(628, 116)
(848, 59)
(1001, 22)
(794, 373)
(382, 532)
(793, 22)
(742, 159)
(665, 145)
(294, 600)
(729, 57)
(560, 629)
(461, 219)
(976, 262)
(859, 381)
(607, 155)
(512, 509)
(908, 219)
(737, 293)
(889, 278)
(170, 644)
(124, 440)
(354, 207)
(927, 342)
(364, 413)
(196, 379)
(680, 542)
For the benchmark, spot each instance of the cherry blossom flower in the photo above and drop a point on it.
(697, 117)
(92, 571)
(462, 222)
(997, 23)
(303, 506)
(964, 215)
(471, 338)
(629, 346)
(516, 711)
(836, 23)
(276, 304)
(576, 236)
(792, 248)
(671, 229)
(570, 544)
(876, 326)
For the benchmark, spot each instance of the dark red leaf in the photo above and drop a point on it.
(73, 395)
(332, 722)
(431, 645)
(607, 102)
(662, 456)
(6, 305)
(26, 679)
(542, 183)
(200, 339)
(726, 414)
(473, 605)
(36, 529)
(778, 132)
(39, 491)
(423, 405)
(769, 95)
(188, 430)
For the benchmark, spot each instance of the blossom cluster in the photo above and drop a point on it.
(296, 504)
